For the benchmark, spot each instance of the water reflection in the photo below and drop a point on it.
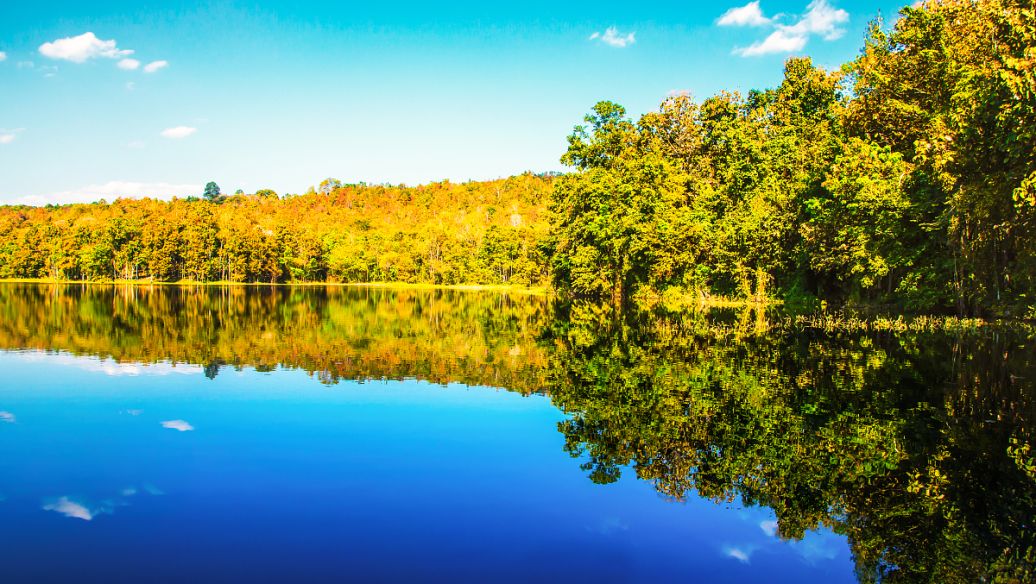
(178, 425)
(76, 510)
(915, 447)
(333, 333)
(106, 366)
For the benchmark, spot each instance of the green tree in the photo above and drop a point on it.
(211, 191)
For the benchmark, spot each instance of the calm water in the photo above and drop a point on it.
(330, 435)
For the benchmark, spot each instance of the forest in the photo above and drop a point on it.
(905, 178)
(440, 233)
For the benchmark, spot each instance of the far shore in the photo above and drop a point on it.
(530, 290)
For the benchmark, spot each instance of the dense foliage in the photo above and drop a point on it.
(442, 233)
(907, 177)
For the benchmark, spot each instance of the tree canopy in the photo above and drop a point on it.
(905, 178)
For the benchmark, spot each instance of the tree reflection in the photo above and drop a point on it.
(914, 446)
(332, 332)
(917, 446)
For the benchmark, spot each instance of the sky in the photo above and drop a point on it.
(138, 98)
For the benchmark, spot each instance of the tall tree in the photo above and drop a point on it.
(211, 191)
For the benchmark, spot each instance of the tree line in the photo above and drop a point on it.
(906, 177)
(440, 233)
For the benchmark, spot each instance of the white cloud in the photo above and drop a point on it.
(3, 56)
(823, 20)
(108, 366)
(779, 41)
(178, 132)
(118, 189)
(769, 527)
(748, 15)
(178, 425)
(154, 66)
(820, 19)
(70, 508)
(7, 417)
(81, 48)
(613, 38)
(128, 64)
(742, 555)
(8, 136)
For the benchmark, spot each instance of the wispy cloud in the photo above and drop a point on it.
(613, 38)
(75, 509)
(148, 488)
(8, 417)
(178, 425)
(741, 554)
(779, 41)
(608, 526)
(3, 56)
(128, 64)
(178, 132)
(8, 136)
(820, 19)
(110, 366)
(748, 15)
(818, 546)
(119, 189)
(769, 527)
(154, 66)
(80, 49)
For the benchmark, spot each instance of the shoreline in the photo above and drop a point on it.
(527, 290)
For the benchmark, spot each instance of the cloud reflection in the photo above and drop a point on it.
(110, 367)
(741, 554)
(74, 509)
(817, 546)
(178, 425)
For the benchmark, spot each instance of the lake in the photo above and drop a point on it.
(325, 434)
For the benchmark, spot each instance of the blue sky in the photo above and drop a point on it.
(284, 94)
